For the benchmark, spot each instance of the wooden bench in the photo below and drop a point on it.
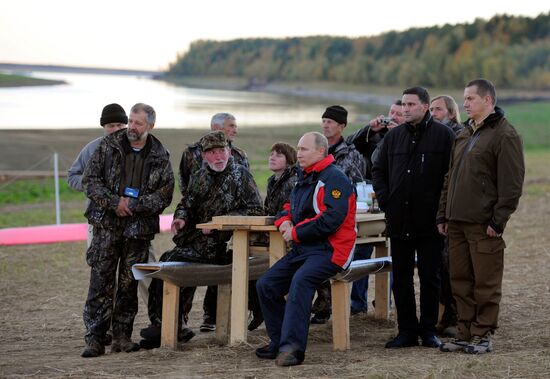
(176, 275)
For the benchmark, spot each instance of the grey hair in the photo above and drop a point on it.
(320, 141)
(149, 110)
(219, 119)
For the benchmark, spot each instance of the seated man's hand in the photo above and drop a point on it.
(123, 208)
(177, 225)
(207, 231)
(285, 226)
(287, 235)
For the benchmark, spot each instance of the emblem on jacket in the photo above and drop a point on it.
(336, 193)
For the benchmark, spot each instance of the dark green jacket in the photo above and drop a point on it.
(486, 173)
(101, 183)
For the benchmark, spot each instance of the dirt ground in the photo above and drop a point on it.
(43, 289)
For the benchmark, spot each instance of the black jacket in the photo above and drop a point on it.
(408, 176)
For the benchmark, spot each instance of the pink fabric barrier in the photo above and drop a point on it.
(56, 233)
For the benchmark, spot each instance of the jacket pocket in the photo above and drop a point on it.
(490, 245)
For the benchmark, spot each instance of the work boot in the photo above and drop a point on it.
(108, 339)
(152, 332)
(123, 343)
(93, 348)
(267, 352)
(402, 340)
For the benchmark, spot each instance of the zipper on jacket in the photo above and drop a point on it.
(422, 164)
(473, 139)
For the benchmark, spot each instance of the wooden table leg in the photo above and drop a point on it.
(223, 313)
(340, 315)
(170, 307)
(277, 247)
(239, 288)
(381, 286)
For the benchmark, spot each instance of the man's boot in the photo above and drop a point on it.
(123, 343)
(93, 348)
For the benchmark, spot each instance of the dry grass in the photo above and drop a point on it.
(43, 288)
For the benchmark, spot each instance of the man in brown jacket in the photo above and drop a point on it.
(481, 191)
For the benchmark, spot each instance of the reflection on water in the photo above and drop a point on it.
(78, 104)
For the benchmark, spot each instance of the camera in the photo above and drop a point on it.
(385, 121)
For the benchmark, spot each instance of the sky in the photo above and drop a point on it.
(149, 35)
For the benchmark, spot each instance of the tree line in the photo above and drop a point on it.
(513, 51)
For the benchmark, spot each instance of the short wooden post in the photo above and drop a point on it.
(239, 288)
(340, 315)
(170, 310)
(277, 247)
(223, 313)
(381, 286)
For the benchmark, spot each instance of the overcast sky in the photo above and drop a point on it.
(150, 34)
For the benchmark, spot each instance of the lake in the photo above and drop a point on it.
(78, 103)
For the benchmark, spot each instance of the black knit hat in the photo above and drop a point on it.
(113, 113)
(337, 113)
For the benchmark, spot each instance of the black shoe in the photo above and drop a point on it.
(208, 325)
(290, 358)
(266, 352)
(149, 344)
(255, 322)
(320, 318)
(124, 344)
(185, 335)
(152, 332)
(402, 340)
(431, 340)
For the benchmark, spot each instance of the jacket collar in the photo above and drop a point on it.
(490, 120)
(320, 165)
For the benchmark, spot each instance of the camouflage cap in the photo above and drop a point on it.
(213, 140)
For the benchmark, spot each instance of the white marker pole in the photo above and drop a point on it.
(56, 182)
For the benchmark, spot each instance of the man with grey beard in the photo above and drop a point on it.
(220, 187)
(129, 182)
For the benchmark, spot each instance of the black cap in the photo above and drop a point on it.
(337, 113)
(113, 113)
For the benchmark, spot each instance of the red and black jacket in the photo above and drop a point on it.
(322, 210)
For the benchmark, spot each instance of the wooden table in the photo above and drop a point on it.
(241, 227)
(367, 226)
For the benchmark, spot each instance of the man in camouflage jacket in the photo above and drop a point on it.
(191, 162)
(220, 188)
(129, 182)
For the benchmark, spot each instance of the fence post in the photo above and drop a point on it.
(56, 182)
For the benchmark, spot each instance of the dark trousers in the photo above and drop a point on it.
(428, 252)
(449, 317)
(187, 294)
(109, 250)
(477, 264)
(298, 275)
(210, 303)
(359, 299)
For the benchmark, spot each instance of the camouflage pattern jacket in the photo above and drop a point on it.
(349, 160)
(232, 191)
(191, 161)
(455, 127)
(101, 183)
(278, 190)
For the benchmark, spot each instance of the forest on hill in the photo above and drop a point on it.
(512, 51)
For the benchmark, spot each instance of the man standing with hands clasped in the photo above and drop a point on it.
(408, 177)
(481, 191)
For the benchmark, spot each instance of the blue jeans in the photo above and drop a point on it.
(297, 274)
(359, 291)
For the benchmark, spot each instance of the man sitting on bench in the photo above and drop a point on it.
(220, 187)
(320, 221)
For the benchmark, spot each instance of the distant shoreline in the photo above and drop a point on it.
(12, 80)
